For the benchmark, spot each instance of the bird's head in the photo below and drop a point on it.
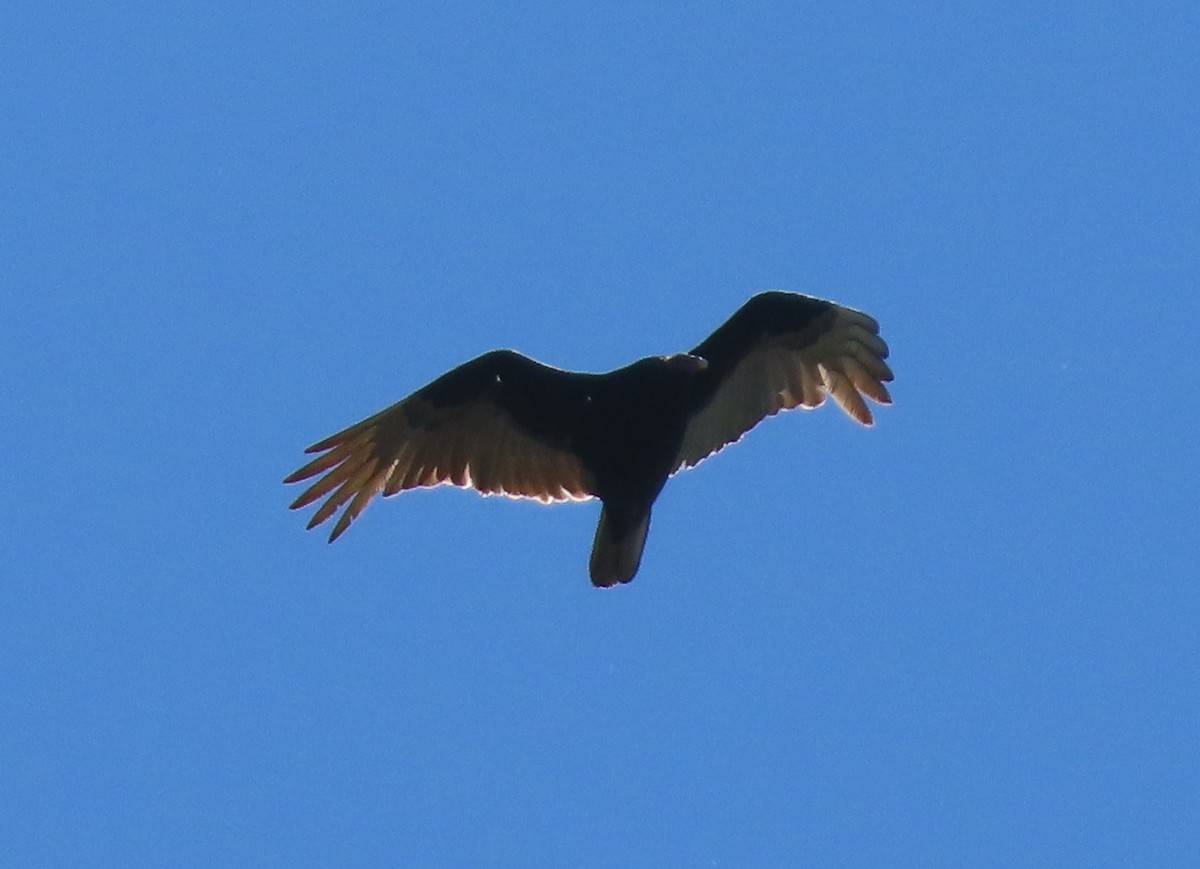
(686, 363)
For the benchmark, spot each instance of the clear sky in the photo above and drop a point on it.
(965, 637)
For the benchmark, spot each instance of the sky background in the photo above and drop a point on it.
(965, 637)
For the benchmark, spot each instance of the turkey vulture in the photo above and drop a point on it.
(508, 425)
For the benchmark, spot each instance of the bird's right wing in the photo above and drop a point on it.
(460, 430)
(777, 352)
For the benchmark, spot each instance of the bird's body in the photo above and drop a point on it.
(506, 424)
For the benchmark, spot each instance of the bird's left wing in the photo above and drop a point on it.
(777, 352)
(493, 424)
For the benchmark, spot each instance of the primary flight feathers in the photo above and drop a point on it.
(506, 424)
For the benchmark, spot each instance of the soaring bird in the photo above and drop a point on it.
(505, 424)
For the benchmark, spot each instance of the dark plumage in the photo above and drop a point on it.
(505, 424)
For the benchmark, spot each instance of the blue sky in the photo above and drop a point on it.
(964, 637)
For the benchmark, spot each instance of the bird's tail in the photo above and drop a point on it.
(620, 539)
